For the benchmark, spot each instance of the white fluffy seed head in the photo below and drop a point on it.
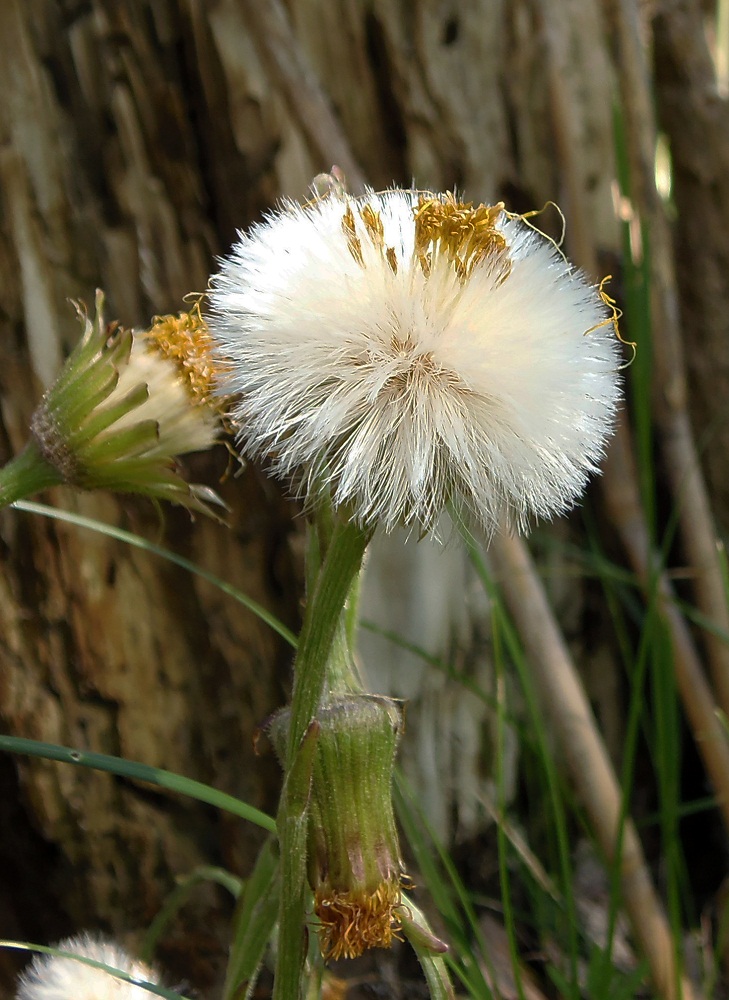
(410, 352)
(51, 977)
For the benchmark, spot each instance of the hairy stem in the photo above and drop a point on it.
(322, 620)
(26, 474)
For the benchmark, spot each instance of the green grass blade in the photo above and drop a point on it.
(543, 754)
(160, 991)
(139, 772)
(253, 926)
(179, 896)
(142, 543)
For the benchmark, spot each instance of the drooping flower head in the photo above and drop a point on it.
(55, 977)
(125, 404)
(354, 865)
(411, 352)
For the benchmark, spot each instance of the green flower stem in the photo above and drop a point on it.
(293, 832)
(322, 620)
(351, 612)
(26, 474)
(342, 674)
(321, 529)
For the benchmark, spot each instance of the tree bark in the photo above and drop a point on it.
(694, 113)
(114, 175)
(136, 136)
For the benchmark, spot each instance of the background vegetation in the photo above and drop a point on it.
(569, 845)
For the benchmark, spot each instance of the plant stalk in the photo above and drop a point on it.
(26, 474)
(322, 620)
(587, 759)
(670, 404)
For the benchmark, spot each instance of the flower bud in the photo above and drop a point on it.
(354, 864)
(124, 405)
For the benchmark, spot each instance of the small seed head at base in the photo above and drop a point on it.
(57, 977)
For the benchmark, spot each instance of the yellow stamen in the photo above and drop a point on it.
(375, 229)
(526, 218)
(613, 319)
(467, 235)
(353, 921)
(373, 224)
(350, 231)
(185, 340)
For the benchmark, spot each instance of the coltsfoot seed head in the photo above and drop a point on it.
(409, 352)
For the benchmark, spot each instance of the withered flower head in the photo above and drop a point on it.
(354, 864)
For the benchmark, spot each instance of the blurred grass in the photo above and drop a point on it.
(651, 750)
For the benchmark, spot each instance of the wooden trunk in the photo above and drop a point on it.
(135, 137)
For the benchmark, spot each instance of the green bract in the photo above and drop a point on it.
(123, 406)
